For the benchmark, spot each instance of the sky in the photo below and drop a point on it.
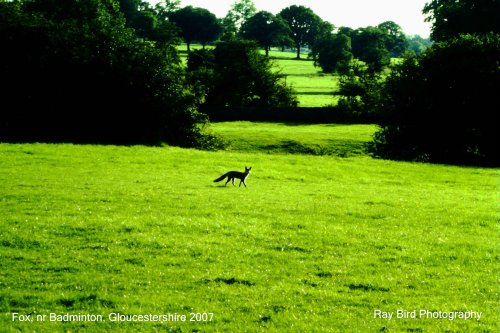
(347, 13)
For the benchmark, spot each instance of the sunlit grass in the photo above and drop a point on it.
(327, 139)
(314, 244)
(314, 88)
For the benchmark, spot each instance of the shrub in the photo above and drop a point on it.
(236, 74)
(443, 106)
(76, 73)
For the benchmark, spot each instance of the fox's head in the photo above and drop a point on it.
(247, 170)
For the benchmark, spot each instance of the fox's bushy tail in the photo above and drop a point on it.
(220, 178)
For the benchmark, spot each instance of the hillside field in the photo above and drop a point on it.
(314, 88)
(315, 243)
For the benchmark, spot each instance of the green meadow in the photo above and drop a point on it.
(314, 88)
(324, 139)
(141, 238)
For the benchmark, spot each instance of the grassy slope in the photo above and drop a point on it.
(314, 88)
(315, 243)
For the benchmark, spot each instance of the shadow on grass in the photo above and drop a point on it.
(342, 149)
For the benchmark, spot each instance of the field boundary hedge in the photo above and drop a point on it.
(306, 115)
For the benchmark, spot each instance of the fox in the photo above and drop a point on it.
(232, 175)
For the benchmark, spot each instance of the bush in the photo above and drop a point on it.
(359, 91)
(334, 53)
(236, 74)
(443, 106)
(75, 73)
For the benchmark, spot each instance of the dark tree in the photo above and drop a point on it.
(266, 29)
(201, 73)
(452, 17)
(139, 16)
(359, 91)
(74, 72)
(370, 45)
(304, 25)
(334, 53)
(238, 75)
(396, 41)
(443, 106)
(346, 31)
(196, 24)
(165, 8)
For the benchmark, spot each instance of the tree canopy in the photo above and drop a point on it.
(333, 53)
(304, 25)
(266, 29)
(241, 11)
(370, 45)
(235, 74)
(450, 18)
(442, 106)
(75, 72)
(196, 24)
(395, 39)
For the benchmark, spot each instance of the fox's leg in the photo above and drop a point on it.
(233, 182)
(243, 181)
(228, 180)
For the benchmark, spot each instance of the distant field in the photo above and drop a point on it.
(314, 244)
(314, 88)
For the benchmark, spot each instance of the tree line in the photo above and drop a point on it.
(108, 71)
(293, 27)
(439, 106)
(74, 72)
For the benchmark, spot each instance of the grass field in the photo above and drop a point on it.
(314, 244)
(325, 139)
(313, 87)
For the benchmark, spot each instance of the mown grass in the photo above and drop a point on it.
(314, 88)
(314, 244)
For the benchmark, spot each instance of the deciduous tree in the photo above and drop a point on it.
(450, 18)
(196, 24)
(239, 76)
(370, 45)
(74, 72)
(304, 25)
(240, 12)
(266, 29)
(334, 53)
(396, 41)
(443, 106)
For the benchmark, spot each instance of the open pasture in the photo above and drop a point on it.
(314, 88)
(314, 244)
